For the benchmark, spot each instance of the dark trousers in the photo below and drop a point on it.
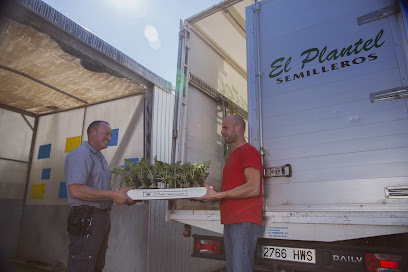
(87, 253)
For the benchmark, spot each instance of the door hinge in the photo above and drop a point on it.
(396, 192)
(390, 94)
(279, 171)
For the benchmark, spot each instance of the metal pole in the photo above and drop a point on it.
(179, 87)
(30, 159)
(33, 139)
(259, 75)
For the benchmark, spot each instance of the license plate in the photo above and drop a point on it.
(304, 255)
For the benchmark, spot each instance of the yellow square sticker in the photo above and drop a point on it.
(37, 191)
(71, 143)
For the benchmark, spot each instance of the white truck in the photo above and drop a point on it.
(326, 84)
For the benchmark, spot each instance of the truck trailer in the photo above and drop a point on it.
(323, 87)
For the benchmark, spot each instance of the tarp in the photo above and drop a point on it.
(48, 63)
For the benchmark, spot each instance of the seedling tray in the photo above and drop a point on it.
(173, 193)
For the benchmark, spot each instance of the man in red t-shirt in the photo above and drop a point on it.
(240, 197)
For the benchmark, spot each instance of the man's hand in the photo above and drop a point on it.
(86, 193)
(249, 189)
(120, 197)
(210, 195)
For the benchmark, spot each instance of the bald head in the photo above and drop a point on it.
(237, 120)
(233, 128)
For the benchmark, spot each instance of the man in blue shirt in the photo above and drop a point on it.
(88, 179)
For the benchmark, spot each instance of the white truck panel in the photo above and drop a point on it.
(344, 150)
(395, 128)
(316, 115)
(203, 140)
(331, 192)
(215, 70)
(205, 219)
(325, 231)
(237, 48)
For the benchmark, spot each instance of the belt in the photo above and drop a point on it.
(107, 210)
(89, 208)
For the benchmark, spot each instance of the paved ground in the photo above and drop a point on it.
(15, 265)
(25, 266)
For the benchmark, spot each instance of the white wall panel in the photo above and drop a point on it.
(52, 130)
(44, 218)
(124, 115)
(127, 116)
(13, 177)
(15, 135)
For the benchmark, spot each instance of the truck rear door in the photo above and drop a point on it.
(211, 84)
(327, 86)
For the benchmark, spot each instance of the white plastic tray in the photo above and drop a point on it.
(173, 193)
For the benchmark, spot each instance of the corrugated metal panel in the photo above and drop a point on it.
(168, 250)
(162, 124)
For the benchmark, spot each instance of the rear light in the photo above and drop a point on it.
(187, 230)
(383, 263)
(207, 246)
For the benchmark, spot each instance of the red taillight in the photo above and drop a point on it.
(389, 264)
(372, 263)
(207, 246)
(382, 262)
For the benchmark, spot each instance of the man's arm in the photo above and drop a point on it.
(86, 193)
(250, 189)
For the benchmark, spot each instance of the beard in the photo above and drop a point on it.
(231, 138)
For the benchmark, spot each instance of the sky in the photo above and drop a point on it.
(145, 30)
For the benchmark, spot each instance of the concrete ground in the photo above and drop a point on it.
(15, 265)
(25, 266)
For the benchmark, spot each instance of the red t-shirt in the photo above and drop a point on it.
(245, 209)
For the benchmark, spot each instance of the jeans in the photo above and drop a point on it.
(240, 244)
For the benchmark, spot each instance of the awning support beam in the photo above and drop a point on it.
(42, 83)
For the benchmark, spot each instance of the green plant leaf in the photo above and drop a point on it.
(145, 175)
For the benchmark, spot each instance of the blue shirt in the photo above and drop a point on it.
(83, 165)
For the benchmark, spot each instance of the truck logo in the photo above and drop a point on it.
(280, 66)
(348, 259)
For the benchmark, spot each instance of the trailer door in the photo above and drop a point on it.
(322, 71)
